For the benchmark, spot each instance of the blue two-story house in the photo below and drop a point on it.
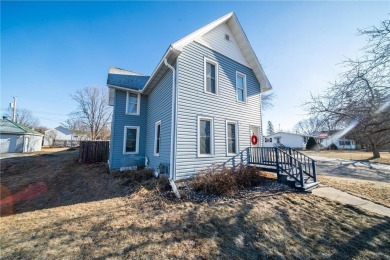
(201, 105)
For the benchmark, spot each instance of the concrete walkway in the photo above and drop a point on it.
(348, 199)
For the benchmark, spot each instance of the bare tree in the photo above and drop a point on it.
(93, 111)
(24, 117)
(51, 137)
(359, 100)
(310, 126)
(270, 128)
(75, 124)
(266, 100)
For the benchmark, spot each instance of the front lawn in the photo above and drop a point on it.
(87, 213)
(351, 155)
(378, 192)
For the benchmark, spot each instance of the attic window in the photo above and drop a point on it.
(227, 37)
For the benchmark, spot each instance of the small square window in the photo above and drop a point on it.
(227, 37)
(132, 105)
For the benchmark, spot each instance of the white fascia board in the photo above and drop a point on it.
(124, 89)
(180, 44)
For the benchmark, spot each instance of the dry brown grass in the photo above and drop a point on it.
(105, 223)
(352, 155)
(378, 192)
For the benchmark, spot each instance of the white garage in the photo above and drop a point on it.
(15, 138)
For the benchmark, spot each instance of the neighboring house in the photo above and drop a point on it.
(16, 138)
(327, 138)
(286, 139)
(201, 105)
(61, 136)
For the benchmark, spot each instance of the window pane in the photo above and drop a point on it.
(208, 85)
(204, 128)
(210, 78)
(231, 131)
(232, 146)
(240, 82)
(158, 139)
(204, 138)
(212, 90)
(240, 94)
(132, 108)
(131, 140)
(208, 70)
(205, 145)
(133, 98)
(231, 138)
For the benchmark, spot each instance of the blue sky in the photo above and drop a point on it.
(51, 49)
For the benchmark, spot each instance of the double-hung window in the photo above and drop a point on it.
(157, 138)
(241, 87)
(131, 140)
(133, 103)
(210, 76)
(205, 136)
(232, 137)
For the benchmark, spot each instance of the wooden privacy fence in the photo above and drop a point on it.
(94, 151)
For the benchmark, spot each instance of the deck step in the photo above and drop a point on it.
(307, 186)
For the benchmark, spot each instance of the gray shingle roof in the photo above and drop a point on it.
(126, 79)
(9, 127)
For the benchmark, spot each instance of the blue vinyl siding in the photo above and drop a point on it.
(160, 108)
(194, 102)
(119, 121)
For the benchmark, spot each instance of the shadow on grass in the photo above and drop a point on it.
(56, 179)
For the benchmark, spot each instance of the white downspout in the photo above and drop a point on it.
(173, 118)
(171, 167)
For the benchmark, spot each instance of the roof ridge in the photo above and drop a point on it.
(120, 71)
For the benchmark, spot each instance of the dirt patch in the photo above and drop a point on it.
(378, 192)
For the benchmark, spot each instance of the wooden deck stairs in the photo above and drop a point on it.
(291, 166)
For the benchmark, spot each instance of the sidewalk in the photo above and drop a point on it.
(348, 199)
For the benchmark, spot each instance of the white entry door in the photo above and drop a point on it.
(254, 134)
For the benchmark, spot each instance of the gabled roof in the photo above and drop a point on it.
(9, 127)
(176, 48)
(126, 79)
(282, 132)
(231, 20)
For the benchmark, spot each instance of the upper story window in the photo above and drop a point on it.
(131, 140)
(205, 136)
(133, 103)
(210, 76)
(157, 137)
(241, 87)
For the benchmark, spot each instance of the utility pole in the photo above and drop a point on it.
(14, 111)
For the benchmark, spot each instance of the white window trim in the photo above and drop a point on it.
(211, 119)
(245, 91)
(138, 103)
(158, 123)
(137, 139)
(207, 60)
(237, 137)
